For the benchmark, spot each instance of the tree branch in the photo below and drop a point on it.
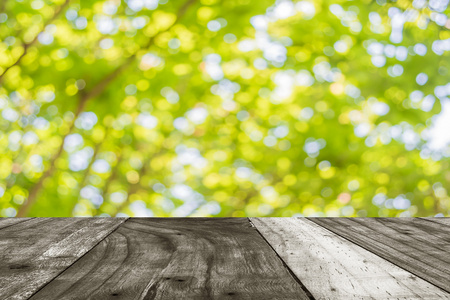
(26, 46)
(2, 6)
(86, 173)
(84, 98)
(133, 188)
(110, 179)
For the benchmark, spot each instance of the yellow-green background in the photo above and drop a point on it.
(224, 108)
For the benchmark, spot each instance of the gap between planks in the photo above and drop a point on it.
(307, 292)
(19, 221)
(57, 275)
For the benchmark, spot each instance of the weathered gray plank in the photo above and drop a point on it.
(441, 221)
(34, 252)
(333, 268)
(416, 245)
(429, 235)
(6, 222)
(193, 258)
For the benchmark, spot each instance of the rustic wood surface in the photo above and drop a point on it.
(330, 266)
(418, 245)
(35, 251)
(175, 259)
(6, 222)
(224, 258)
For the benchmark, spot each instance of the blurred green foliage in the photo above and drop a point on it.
(224, 108)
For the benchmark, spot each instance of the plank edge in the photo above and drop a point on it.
(81, 256)
(302, 286)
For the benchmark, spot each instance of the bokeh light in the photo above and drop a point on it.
(224, 108)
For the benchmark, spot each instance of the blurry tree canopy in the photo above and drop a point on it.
(224, 108)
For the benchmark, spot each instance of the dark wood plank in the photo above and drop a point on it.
(193, 258)
(34, 252)
(7, 222)
(332, 267)
(416, 245)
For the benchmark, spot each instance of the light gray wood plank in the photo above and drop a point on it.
(33, 252)
(171, 258)
(416, 245)
(333, 268)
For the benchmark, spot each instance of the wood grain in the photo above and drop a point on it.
(440, 221)
(333, 268)
(33, 252)
(7, 222)
(189, 258)
(417, 245)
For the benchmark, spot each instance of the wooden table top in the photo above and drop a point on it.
(224, 258)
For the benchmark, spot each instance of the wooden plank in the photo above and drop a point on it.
(170, 258)
(416, 245)
(34, 252)
(333, 268)
(431, 237)
(6, 222)
(442, 221)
